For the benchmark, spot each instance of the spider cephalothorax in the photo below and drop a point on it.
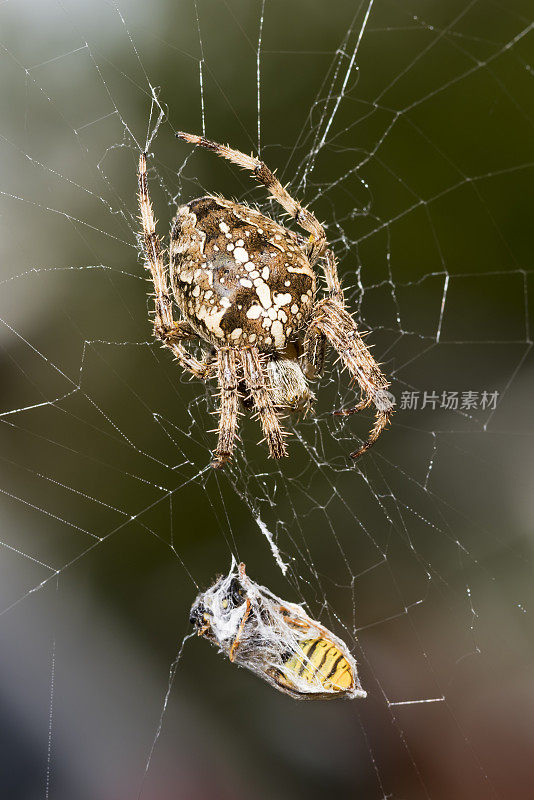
(246, 288)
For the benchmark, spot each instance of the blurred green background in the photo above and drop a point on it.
(417, 154)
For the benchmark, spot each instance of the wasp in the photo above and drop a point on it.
(275, 639)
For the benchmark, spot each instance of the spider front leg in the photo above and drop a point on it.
(182, 331)
(263, 174)
(169, 332)
(333, 321)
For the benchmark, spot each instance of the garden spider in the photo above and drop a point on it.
(246, 289)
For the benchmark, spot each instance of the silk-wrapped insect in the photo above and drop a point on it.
(275, 639)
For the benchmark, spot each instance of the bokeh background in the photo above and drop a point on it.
(408, 128)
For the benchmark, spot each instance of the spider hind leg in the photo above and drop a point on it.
(263, 401)
(228, 384)
(335, 323)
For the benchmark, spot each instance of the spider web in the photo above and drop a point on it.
(407, 126)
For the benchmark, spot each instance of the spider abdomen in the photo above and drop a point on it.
(238, 277)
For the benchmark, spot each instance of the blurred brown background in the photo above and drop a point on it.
(418, 157)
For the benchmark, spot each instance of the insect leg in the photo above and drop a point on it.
(235, 643)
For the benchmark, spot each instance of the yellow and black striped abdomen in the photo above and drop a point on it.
(318, 660)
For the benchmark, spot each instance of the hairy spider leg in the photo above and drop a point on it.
(331, 319)
(228, 384)
(255, 381)
(169, 332)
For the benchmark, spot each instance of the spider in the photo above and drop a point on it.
(245, 288)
